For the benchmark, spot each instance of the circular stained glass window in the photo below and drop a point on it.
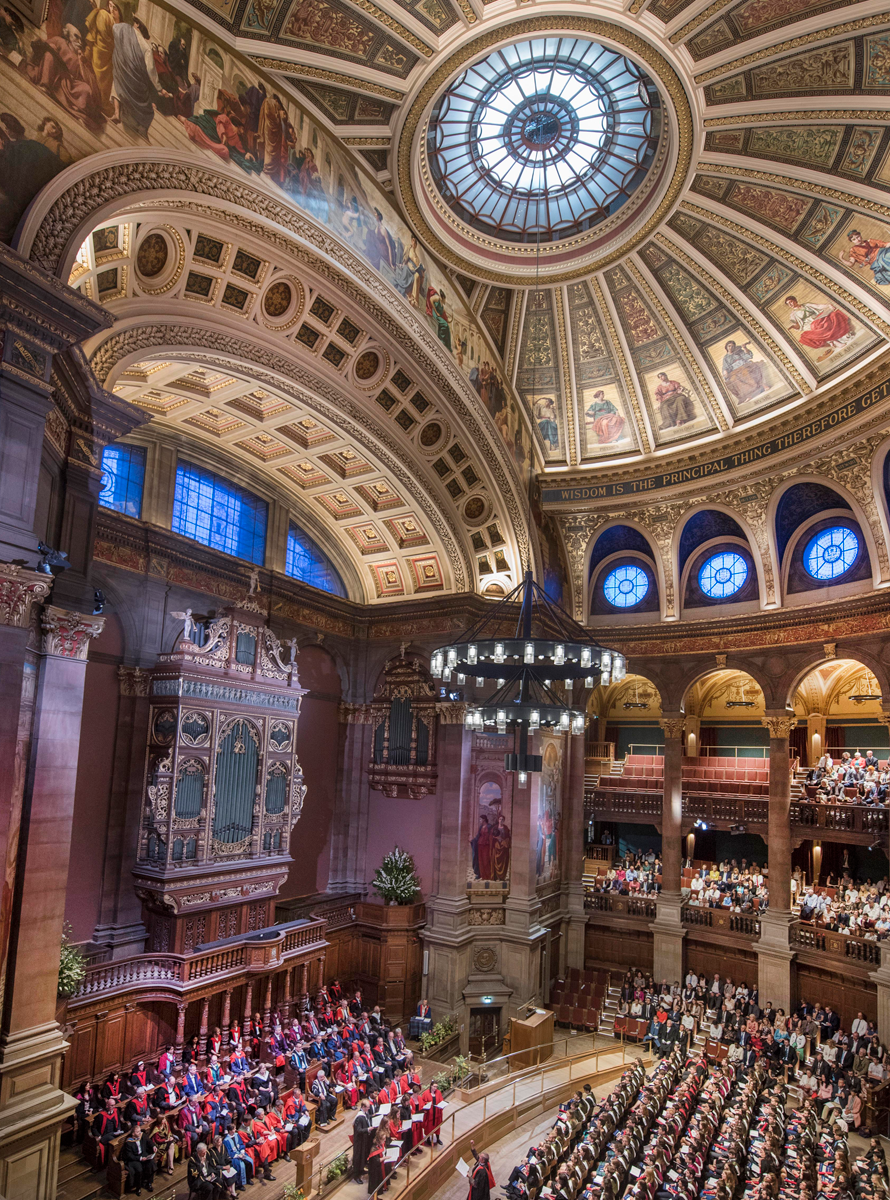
(625, 586)
(831, 553)
(722, 575)
(544, 139)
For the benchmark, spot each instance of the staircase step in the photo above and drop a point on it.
(72, 1170)
(81, 1188)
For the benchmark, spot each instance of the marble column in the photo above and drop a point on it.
(667, 928)
(774, 953)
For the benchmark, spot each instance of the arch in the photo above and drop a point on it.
(113, 182)
(656, 564)
(748, 532)
(801, 537)
(600, 574)
(694, 673)
(855, 654)
(879, 465)
(849, 499)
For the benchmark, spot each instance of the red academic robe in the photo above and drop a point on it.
(416, 1126)
(276, 1124)
(268, 1147)
(432, 1118)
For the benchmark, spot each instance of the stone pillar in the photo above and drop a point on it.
(881, 978)
(248, 1005)
(120, 916)
(31, 1043)
(572, 827)
(815, 738)
(205, 1022)
(667, 928)
(180, 1029)
(227, 1011)
(774, 954)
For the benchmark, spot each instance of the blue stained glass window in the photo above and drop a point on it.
(308, 562)
(626, 586)
(831, 553)
(217, 513)
(722, 575)
(123, 477)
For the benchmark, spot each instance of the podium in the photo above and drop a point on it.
(533, 1038)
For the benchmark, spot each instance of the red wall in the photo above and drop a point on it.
(318, 750)
(408, 824)
(92, 792)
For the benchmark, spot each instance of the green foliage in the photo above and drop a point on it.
(396, 879)
(337, 1168)
(293, 1191)
(439, 1033)
(72, 965)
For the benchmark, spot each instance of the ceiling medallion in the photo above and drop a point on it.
(571, 145)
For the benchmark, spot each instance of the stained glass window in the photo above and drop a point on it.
(544, 138)
(217, 513)
(831, 553)
(308, 562)
(722, 575)
(123, 478)
(626, 586)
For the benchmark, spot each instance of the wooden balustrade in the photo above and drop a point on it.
(622, 906)
(268, 948)
(721, 918)
(840, 946)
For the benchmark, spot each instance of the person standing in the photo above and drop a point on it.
(481, 1178)
(361, 1141)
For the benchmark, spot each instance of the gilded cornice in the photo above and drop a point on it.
(381, 143)
(810, 273)
(780, 48)
(347, 81)
(806, 115)
(596, 29)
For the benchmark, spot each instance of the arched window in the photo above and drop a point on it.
(219, 514)
(625, 586)
(123, 478)
(308, 562)
(723, 575)
(831, 553)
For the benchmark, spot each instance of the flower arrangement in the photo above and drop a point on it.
(440, 1032)
(395, 880)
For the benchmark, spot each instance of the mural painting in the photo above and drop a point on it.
(549, 811)
(826, 333)
(675, 406)
(110, 74)
(749, 378)
(606, 425)
(863, 244)
(490, 846)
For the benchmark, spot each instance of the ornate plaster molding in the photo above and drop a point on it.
(68, 634)
(673, 727)
(133, 681)
(19, 589)
(779, 727)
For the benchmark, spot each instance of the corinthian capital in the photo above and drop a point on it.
(673, 726)
(19, 589)
(779, 727)
(67, 634)
(134, 681)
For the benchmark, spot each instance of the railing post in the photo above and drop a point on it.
(202, 1033)
(180, 1028)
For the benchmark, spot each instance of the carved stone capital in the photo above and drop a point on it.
(721, 660)
(19, 589)
(133, 681)
(779, 727)
(451, 713)
(673, 726)
(829, 649)
(67, 634)
(354, 714)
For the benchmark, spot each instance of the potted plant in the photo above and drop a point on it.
(395, 880)
(72, 965)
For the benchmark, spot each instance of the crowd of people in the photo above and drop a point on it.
(698, 1129)
(855, 778)
(861, 909)
(232, 1117)
(633, 873)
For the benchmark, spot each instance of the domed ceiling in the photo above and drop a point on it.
(714, 246)
(736, 268)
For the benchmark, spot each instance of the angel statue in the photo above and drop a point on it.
(189, 624)
(292, 643)
(254, 583)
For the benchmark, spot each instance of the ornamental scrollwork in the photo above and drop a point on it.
(779, 727)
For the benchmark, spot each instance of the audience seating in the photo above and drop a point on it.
(717, 775)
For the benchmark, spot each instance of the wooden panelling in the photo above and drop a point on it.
(730, 962)
(847, 996)
(619, 949)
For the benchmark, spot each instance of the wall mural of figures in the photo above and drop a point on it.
(550, 811)
(491, 844)
(108, 74)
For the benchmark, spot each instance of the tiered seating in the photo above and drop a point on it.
(726, 776)
(577, 1000)
(641, 773)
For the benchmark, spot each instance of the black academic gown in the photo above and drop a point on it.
(361, 1144)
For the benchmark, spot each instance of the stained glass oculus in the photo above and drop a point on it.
(722, 575)
(831, 553)
(544, 139)
(626, 586)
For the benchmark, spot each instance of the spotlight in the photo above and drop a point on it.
(700, 824)
(740, 828)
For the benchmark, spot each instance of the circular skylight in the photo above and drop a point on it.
(722, 575)
(625, 586)
(831, 553)
(544, 139)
